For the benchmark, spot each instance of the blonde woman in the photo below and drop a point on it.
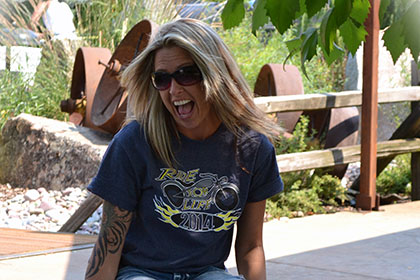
(195, 160)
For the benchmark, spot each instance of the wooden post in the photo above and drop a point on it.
(415, 157)
(415, 166)
(367, 199)
(85, 210)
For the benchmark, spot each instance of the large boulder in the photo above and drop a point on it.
(39, 152)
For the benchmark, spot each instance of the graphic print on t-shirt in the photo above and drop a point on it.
(190, 196)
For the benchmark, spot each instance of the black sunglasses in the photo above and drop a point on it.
(185, 76)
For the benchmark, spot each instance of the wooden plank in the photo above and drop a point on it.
(344, 155)
(288, 103)
(18, 242)
(85, 210)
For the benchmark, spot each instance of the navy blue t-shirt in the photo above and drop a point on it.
(184, 216)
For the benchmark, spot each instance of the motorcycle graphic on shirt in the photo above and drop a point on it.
(188, 205)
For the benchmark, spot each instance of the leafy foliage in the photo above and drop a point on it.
(252, 52)
(301, 140)
(309, 190)
(336, 25)
(233, 13)
(286, 204)
(282, 13)
(260, 17)
(396, 178)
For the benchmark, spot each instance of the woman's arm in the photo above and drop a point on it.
(249, 249)
(105, 258)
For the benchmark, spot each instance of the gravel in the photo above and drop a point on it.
(43, 210)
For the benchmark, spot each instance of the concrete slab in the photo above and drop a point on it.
(345, 245)
(70, 265)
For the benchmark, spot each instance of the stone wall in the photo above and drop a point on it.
(39, 152)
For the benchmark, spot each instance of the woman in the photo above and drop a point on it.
(195, 160)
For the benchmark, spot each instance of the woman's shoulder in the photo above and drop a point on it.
(132, 131)
(249, 135)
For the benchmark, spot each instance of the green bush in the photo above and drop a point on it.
(308, 190)
(40, 96)
(329, 189)
(285, 204)
(396, 178)
(302, 139)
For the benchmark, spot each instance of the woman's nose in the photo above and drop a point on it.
(175, 87)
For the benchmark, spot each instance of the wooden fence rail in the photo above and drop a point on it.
(289, 103)
(336, 156)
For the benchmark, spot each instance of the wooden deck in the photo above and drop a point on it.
(16, 243)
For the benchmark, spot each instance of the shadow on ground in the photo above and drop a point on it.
(391, 256)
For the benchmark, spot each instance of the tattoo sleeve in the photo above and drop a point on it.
(114, 226)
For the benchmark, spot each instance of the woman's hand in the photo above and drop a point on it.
(249, 249)
(105, 258)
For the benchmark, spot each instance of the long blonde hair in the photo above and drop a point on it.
(223, 83)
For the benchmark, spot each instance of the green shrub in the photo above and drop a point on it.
(396, 178)
(308, 190)
(329, 189)
(284, 204)
(40, 96)
(302, 139)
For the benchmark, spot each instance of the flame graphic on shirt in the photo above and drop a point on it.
(193, 220)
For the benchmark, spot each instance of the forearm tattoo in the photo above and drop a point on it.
(114, 226)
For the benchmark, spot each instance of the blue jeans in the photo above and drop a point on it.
(212, 273)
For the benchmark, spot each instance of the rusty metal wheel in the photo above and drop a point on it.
(277, 80)
(85, 79)
(110, 102)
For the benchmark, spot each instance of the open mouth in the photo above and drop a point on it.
(184, 107)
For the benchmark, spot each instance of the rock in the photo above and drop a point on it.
(42, 191)
(47, 204)
(392, 198)
(344, 182)
(36, 151)
(57, 216)
(36, 211)
(16, 207)
(15, 223)
(284, 219)
(300, 214)
(18, 198)
(16, 212)
(68, 191)
(32, 195)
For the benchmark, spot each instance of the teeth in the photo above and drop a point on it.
(181, 102)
